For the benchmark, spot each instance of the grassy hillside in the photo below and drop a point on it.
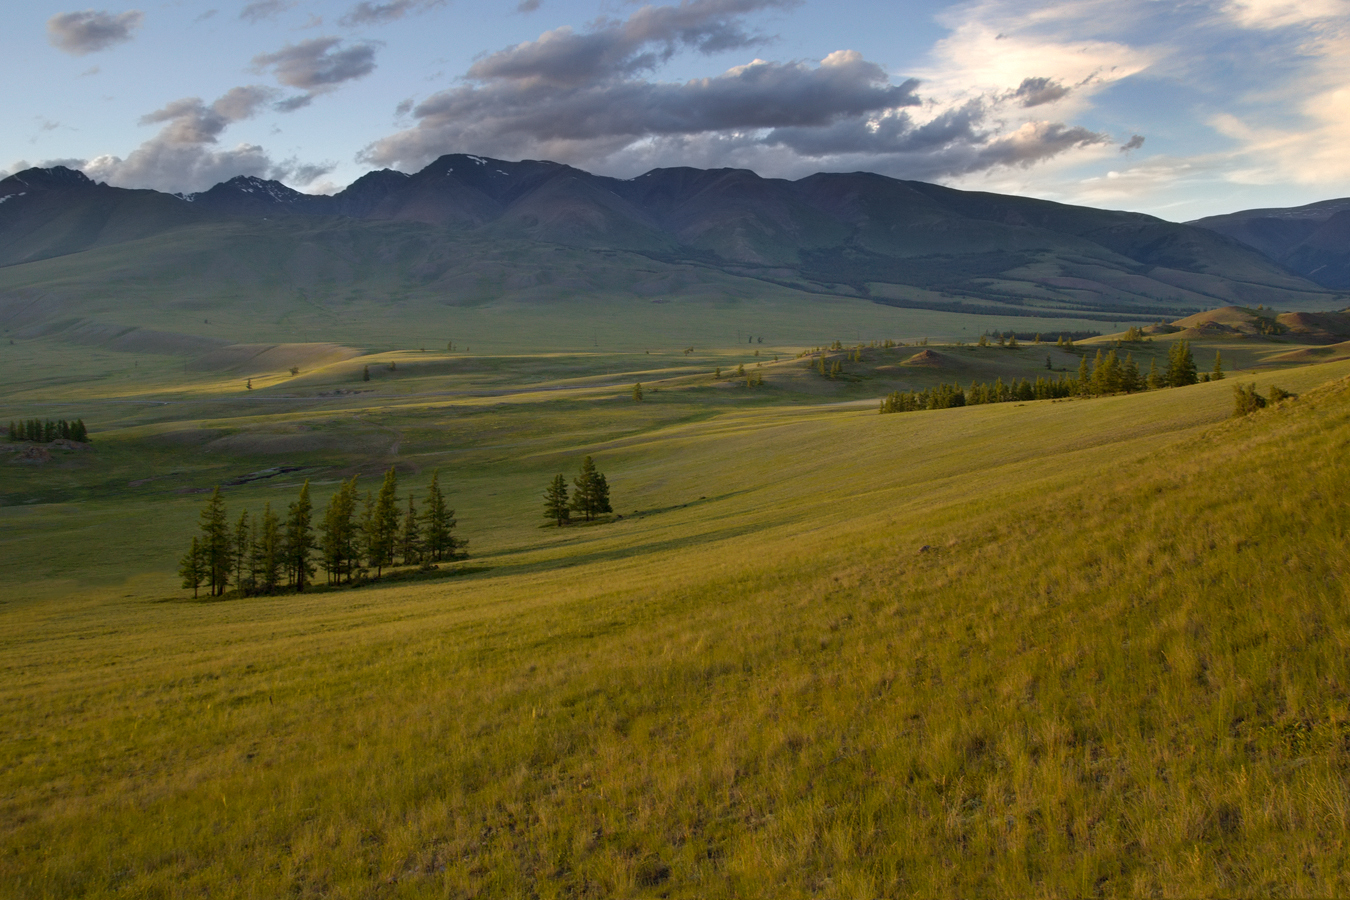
(1092, 647)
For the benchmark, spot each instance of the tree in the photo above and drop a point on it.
(337, 544)
(637, 392)
(215, 544)
(439, 541)
(1216, 374)
(300, 539)
(365, 374)
(1180, 365)
(410, 536)
(1084, 377)
(190, 567)
(591, 494)
(555, 501)
(241, 553)
(1154, 380)
(269, 549)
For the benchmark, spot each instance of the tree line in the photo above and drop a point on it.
(590, 495)
(1107, 374)
(263, 554)
(45, 431)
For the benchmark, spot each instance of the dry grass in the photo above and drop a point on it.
(1119, 668)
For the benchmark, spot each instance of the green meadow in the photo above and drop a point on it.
(1087, 647)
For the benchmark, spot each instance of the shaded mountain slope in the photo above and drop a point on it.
(471, 229)
(1312, 241)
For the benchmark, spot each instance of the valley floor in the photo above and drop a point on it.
(1086, 647)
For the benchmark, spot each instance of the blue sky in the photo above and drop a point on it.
(1180, 109)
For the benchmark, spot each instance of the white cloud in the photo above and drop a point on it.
(1282, 13)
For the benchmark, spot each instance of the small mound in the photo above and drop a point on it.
(1327, 326)
(925, 358)
(1233, 317)
(1331, 353)
(261, 359)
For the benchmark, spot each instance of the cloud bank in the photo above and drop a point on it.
(587, 97)
(183, 155)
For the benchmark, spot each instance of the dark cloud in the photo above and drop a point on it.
(209, 14)
(511, 116)
(1038, 91)
(291, 104)
(367, 13)
(585, 98)
(650, 36)
(1134, 143)
(527, 6)
(319, 64)
(261, 10)
(89, 31)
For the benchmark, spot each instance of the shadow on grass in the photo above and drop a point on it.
(395, 576)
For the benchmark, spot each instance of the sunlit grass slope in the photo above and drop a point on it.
(1056, 649)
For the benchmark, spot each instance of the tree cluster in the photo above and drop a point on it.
(44, 432)
(590, 495)
(1107, 374)
(262, 554)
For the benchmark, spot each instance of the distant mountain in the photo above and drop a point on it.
(470, 229)
(1312, 240)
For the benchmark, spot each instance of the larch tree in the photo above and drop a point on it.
(590, 495)
(337, 543)
(439, 539)
(1180, 365)
(299, 541)
(215, 544)
(190, 567)
(270, 555)
(241, 548)
(410, 536)
(555, 501)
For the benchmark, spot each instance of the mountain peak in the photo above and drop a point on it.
(54, 177)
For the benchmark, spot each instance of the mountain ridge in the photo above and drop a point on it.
(857, 234)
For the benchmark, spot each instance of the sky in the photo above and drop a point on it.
(1178, 108)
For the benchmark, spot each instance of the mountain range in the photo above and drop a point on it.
(469, 230)
(1312, 241)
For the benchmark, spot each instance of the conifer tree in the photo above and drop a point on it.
(637, 392)
(299, 541)
(190, 567)
(590, 496)
(1084, 377)
(338, 541)
(1130, 381)
(555, 501)
(215, 544)
(1216, 374)
(1154, 380)
(241, 553)
(1180, 365)
(410, 536)
(439, 539)
(269, 550)
(384, 524)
